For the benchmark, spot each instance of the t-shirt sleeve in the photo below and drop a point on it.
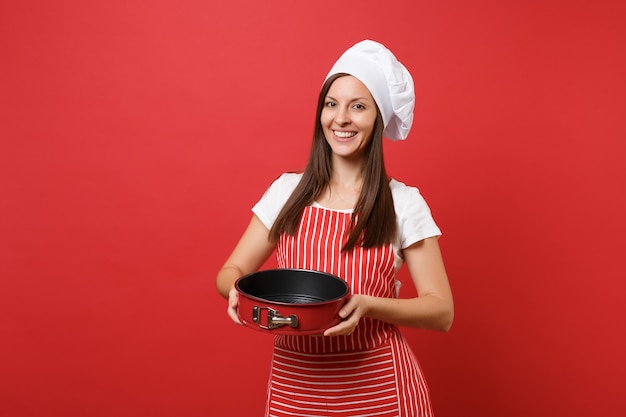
(415, 221)
(275, 197)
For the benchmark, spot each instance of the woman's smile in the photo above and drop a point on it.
(343, 134)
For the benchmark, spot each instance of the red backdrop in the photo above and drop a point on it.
(136, 136)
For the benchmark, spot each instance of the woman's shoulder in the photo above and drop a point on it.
(287, 181)
(281, 188)
(415, 221)
(401, 192)
(407, 199)
(275, 196)
(290, 177)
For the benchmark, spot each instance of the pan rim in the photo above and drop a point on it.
(345, 293)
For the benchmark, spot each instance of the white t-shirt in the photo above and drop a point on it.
(413, 216)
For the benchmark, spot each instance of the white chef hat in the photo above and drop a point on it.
(389, 82)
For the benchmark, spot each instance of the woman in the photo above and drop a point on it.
(344, 216)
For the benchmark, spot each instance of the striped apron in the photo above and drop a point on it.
(372, 372)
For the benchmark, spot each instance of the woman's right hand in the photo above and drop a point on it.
(233, 305)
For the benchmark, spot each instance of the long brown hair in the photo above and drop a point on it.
(373, 222)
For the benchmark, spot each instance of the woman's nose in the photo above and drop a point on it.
(342, 116)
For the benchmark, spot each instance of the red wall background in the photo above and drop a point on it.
(136, 136)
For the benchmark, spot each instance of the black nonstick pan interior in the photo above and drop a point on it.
(293, 286)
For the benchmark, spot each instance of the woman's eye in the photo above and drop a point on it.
(359, 106)
(329, 104)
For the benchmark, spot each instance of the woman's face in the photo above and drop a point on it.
(348, 117)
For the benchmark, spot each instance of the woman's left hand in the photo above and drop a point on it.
(351, 314)
(233, 305)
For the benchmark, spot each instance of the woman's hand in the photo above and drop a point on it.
(351, 314)
(233, 305)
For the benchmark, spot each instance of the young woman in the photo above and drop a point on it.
(343, 215)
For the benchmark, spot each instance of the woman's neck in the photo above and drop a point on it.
(344, 188)
(347, 174)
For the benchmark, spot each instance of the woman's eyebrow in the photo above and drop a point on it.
(351, 100)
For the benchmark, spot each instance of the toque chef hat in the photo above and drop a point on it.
(389, 82)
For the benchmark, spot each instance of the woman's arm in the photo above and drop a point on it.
(252, 250)
(432, 309)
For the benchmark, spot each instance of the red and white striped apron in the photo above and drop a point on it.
(369, 373)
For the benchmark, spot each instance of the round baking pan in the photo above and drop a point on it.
(291, 301)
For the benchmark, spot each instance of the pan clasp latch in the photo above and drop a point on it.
(274, 319)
